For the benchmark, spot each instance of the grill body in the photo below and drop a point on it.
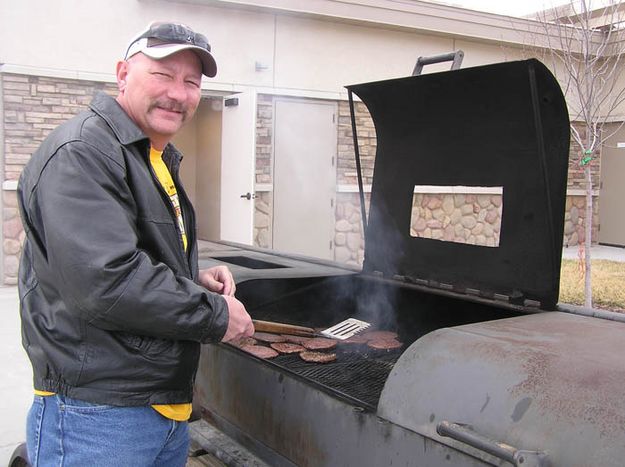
(543, 382)
(289, 412)
(492, 371)
(287, 420)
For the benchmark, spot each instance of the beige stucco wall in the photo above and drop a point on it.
(311, 54)
(88, 38)
(303, 54)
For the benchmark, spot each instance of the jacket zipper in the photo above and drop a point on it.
(170, 208)
(188, 218)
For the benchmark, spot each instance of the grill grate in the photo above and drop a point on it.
(358, 376)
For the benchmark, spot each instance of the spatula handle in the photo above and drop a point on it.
(282, 328)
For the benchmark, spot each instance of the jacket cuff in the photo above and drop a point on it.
(219, 317)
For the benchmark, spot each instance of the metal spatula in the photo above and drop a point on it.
(341, 331)
(345, 329)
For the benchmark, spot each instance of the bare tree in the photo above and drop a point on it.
(586, 45)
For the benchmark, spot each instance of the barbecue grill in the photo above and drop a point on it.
(492, 370)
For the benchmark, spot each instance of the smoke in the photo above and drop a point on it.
(376, 303)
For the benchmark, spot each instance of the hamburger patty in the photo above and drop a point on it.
(260, 351)
(268, 337)
(287, 347)
(243, 341)
(296, 339)
(320, 343)
(384, 344)
(318, 357)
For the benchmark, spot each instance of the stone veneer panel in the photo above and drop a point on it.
(349, 237)
(263, 204)
(576, 178)
(460, 218)
(574, 217)
(263, 209)
(367, 145)
(264, 138)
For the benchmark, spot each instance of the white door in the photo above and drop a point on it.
(238, 146)
(611, 219)
(305, 141)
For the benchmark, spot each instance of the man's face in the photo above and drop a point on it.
(160, 95)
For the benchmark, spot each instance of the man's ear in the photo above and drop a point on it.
(122, 73)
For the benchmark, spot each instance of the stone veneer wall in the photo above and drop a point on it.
(33, 106)
(574, 220)
(264, 138)
(576, 172)
(367, 145)
(575, 211)
(263, 210)
(349, 237)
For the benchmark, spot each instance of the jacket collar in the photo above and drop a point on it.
(126, 131)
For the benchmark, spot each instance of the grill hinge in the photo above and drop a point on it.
(531, 303)
(501, 297)
(516, 298)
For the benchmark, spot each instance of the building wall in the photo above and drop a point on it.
(33, 106)
(274, 53)
(473, 217)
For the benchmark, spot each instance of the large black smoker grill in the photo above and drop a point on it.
(493, 371)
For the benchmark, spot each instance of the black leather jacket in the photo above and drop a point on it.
(111, 311)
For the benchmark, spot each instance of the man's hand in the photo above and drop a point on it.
(218, 279)
(239, 321)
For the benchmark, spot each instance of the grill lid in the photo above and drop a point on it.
(504, 125)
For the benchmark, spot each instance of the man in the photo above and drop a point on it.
(113, 306)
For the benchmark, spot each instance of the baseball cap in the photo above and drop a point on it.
(162, 39)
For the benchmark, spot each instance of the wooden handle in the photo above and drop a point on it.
(281, 328)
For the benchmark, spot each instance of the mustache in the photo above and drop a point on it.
(170, 105)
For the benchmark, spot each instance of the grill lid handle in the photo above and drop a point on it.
(465, 434)
(455, 57)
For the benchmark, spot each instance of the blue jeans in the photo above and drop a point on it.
(65, 432)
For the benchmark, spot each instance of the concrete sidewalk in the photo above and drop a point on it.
(16, 387)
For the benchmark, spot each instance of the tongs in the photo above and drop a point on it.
(341, 331)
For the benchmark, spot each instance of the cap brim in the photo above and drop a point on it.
(209, 66)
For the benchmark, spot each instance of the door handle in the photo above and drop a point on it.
(248, 196)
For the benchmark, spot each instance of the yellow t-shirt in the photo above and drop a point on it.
(168, 185)
(178, 412)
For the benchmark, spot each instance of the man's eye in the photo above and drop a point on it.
(193, 83)
(161, 74)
